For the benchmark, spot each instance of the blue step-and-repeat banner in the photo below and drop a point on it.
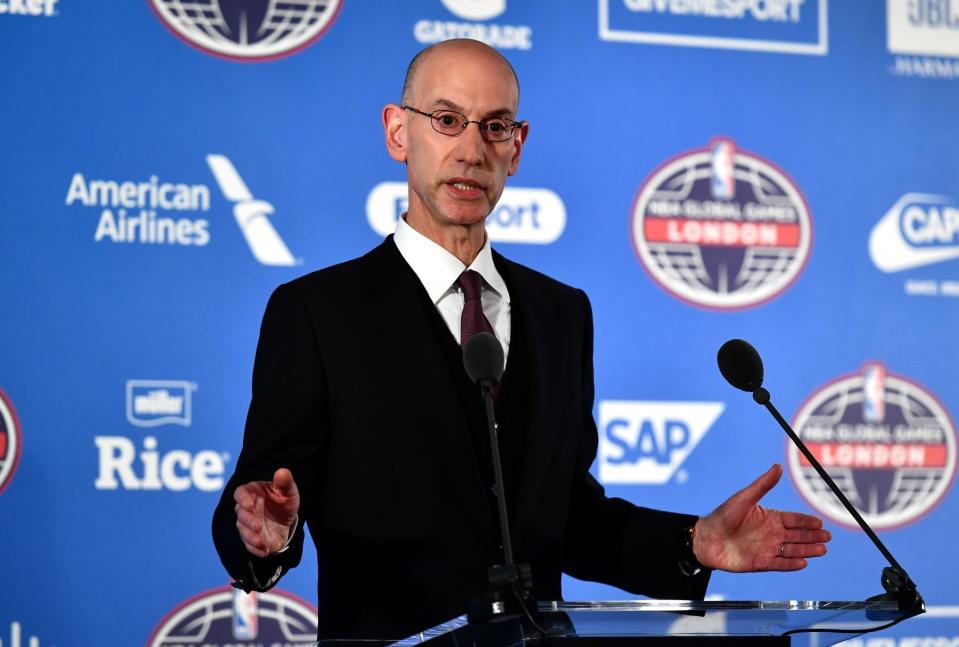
(783, 171)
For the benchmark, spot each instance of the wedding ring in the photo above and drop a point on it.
(782, 550)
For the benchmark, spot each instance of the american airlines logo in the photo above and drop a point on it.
(920, 229)
(158, 212)
(151, 403)
(522, 215)
(252, 215)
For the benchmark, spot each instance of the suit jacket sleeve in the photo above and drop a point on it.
(611, 540)
(286, 426)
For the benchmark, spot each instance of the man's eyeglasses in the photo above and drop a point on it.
(452, 123)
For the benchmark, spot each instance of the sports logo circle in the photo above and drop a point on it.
(721, 228)
(475, 9)
(248, 30)
(886, 440)
(228, 616)
(11, 441)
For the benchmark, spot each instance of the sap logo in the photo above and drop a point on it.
(28, 8)
(151, 403)
(920, 229)
(522, 215)
(251, 215)
(177, 470)
(647, 442)
(475, 9)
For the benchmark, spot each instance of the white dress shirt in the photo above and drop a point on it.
(437, 270)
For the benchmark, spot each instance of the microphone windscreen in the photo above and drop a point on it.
(741, 365)
(483, 358)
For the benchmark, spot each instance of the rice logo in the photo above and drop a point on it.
(647, 442)
(151, 403)
(721, 228)
(920, 229)
(11, 441)
(522, 215)
(121, 467)
(886, 440)
(247, 30)
(227, 617)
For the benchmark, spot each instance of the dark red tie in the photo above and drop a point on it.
(473, 320)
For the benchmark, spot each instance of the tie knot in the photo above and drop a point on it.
(471, 283)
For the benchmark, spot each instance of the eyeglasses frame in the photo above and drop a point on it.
(481, 124)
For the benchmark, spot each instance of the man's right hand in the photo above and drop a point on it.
(266, 512)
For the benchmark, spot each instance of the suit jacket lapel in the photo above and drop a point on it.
(401, 327)
(546, 344)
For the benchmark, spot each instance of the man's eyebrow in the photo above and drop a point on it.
(452, 105)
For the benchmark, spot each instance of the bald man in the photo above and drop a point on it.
(364, 427)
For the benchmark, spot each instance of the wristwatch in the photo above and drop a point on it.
(688, 563)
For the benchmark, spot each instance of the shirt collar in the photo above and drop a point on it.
(437, 269)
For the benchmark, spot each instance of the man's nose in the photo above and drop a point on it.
(470, 145)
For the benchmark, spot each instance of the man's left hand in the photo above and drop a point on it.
(741, 536)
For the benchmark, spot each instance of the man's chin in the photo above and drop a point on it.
(466, 215)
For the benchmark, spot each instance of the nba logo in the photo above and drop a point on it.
(723, 185)
(873, 393)
(244, 615)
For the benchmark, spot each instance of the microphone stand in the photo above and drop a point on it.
(510, 584)
(897, 583)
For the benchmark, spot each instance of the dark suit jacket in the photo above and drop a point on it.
(352, 394)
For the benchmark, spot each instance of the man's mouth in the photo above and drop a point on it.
(465, 187)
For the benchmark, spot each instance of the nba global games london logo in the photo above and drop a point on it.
(721, 228)
(228, 617)
(10, 441)
(248, 30)
(887, 441)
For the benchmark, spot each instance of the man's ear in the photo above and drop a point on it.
(519, 139)
(394, 127)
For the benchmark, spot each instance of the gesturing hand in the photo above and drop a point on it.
(265, 512)
(742, 536)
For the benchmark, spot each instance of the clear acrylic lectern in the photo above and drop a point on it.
(671, 623)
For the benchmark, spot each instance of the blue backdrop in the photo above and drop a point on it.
(782, 171)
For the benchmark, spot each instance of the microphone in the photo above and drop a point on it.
(483, 358)
(742, 367)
